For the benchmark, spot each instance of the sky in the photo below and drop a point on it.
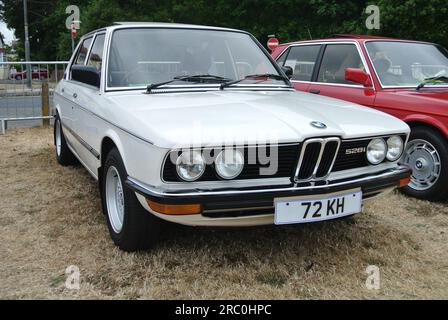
(7, 33)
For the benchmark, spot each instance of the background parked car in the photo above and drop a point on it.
(407, 79)
(37, 74)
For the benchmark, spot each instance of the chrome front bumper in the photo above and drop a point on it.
(255, 205)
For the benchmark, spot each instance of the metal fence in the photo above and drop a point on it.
(28, 100)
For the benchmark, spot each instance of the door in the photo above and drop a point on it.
(302, 59)
(68, 93)
(88, 98)
(330, 78)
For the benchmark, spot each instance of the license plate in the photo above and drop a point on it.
(317, 208)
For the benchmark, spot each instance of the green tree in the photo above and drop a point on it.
(289, 19)
(414, 19)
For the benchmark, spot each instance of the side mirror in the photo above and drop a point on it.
(358, 76)
(288, 71)
(86, 74)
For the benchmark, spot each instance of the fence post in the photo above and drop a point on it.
(45, 103)
(3, 125)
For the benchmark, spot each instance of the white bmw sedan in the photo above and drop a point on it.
(198, 126)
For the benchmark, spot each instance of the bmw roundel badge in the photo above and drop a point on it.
(318, 125)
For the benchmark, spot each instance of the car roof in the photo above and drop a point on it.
(131, 24)
(353, 37)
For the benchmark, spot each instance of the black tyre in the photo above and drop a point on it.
(19, 78)
(427, 155)
(64, 155)
(131, 227)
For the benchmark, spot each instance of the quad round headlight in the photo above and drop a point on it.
(376, 151)
(190, 165)
(395, 147)
(229, 163)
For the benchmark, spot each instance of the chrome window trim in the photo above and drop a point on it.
(332, 84)
(361, 55)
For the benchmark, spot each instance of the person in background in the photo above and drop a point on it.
(12, 72)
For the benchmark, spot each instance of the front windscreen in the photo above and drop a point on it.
(400, 63)
(143, 56)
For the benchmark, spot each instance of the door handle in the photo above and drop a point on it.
(63, 90)
(315, 91)
(75, 95)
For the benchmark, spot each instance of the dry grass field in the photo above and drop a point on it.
(50, 218)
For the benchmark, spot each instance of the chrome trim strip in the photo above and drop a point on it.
(333, 84)
(80, 160)
(206, 192)
(375, 137)
(95, 153)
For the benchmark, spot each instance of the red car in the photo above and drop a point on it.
(37, 74)
(407, 79)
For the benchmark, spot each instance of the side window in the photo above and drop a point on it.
(96, 54)
(281, 61)
(82, 53)
(337, 58)
(302, 60)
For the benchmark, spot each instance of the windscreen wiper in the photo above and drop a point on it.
(263, 75)
(433, 80)
(201, 78)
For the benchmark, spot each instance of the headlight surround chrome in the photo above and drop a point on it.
(376, 151)
(229, 163)
(190, 165)
(395, 148)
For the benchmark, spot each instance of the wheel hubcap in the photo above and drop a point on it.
(114, 199)
(425, 161)
(58, 137)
